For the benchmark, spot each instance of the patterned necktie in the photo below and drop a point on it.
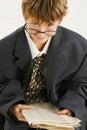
(36, 91)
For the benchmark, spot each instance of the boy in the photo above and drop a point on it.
(63, 80)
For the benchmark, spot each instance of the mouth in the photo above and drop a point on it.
(41, 37)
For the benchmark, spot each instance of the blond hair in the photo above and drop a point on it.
(44, 10)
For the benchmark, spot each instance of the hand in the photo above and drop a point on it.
(65, 111)
(16, 111)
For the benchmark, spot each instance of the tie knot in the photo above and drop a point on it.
(39, 59)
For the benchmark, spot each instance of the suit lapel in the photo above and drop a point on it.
(23, 57)
(22, 52)
(55, 59)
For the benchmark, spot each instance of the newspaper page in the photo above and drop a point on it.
(44, 115)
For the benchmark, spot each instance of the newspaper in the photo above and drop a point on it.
(44, 115)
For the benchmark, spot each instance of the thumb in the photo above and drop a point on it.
(65, 111)
(20, 106)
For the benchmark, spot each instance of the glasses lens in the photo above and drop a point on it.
(35, 32)
(32, 31)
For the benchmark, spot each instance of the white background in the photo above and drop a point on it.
(11, 16)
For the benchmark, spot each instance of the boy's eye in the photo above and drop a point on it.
(50, 25)
(34, 23)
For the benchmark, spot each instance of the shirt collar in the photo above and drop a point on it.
(34, 51)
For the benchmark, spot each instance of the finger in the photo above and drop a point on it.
(19, 113)
(22, 106)
(21, 117)
(64, 111)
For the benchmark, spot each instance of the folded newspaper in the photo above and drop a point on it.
(44, 115)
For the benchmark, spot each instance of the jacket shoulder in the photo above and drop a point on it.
(70, 34)
(8, 42)
(12, 36)
(73, 39)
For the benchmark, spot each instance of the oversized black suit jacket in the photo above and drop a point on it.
(65, 73)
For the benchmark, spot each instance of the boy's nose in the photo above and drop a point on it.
(42, 28)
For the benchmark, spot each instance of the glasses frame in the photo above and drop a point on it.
(38, 31)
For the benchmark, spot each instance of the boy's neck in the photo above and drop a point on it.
(40, 46)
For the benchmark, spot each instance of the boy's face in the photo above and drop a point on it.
(41, 32)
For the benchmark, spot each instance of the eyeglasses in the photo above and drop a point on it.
(35, 31)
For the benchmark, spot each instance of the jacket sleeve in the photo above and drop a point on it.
(76, 94)
(10, 93)
(75, 97)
